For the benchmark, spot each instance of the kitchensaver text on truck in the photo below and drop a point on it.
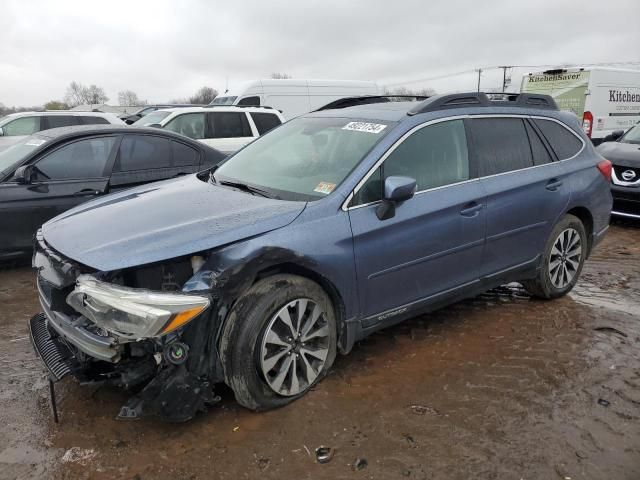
(606, 99)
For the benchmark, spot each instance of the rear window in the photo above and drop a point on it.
(265, 121)
(228, 125)
(500, 145)
(55, 121)
(563, 142)
(141, 152)
(88, 120)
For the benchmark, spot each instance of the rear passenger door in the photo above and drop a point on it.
(147, 158)
(525, 189)
(228, 131)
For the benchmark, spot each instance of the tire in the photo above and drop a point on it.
(559, 270)
(256, 333)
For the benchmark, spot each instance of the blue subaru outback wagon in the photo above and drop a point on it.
(334, 225)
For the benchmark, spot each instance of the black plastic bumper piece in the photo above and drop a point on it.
(54, 354)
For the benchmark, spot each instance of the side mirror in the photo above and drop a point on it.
(23, 174)
(617, 134)
(155, 125)
(396, 190)
(1, 132)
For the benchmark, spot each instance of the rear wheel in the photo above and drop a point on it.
(279, 341)
(562, 260)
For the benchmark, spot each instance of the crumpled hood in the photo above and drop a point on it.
(163, 220)
(623, 154)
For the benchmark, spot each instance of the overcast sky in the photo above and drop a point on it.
(168, 49)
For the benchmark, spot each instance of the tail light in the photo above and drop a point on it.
(605, 167)
(587, 123)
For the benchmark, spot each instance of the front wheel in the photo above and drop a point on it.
(562, 260)
(279, 341)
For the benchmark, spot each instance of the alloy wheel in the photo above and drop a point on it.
(565, 258)
(295, 347)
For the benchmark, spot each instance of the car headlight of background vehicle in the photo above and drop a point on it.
(132, 312)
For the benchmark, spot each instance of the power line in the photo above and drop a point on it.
(495, 67)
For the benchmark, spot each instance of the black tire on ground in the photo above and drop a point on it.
(246, 326)
(542, 286)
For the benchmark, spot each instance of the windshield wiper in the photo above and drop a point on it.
(244, 187)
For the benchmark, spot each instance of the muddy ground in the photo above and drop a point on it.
(500, 386)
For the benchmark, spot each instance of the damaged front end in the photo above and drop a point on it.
(148, 329)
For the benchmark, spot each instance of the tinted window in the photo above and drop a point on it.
(189, 124)
(82, 159)
(539, 151)
(55, 121)
(255, 101)
(184, 155)
(265, 121)
(500, 145)
(565, 143)
(229, 125)
(93, 121)
(141, 152)
(435, 156)
(22, 126)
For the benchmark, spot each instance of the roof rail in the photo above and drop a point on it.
(366, 100)
(481, 99)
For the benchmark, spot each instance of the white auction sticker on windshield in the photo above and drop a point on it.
(34, 142)
(364, 127)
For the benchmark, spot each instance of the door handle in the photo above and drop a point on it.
(554, 184)
(86, 192)
(471, 210)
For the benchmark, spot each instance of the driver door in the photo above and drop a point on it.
(432, 247)
(60, 180)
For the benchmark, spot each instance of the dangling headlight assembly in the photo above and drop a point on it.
(132, 312)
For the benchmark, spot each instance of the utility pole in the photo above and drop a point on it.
(504, 77)
(479, 74)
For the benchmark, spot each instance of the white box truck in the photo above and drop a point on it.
(606, 99)
(295, 97)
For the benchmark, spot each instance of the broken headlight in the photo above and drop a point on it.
(132, 312)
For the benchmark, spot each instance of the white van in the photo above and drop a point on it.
(295, 97)
(606, 99)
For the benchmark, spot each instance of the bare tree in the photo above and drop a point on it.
(280, 76)
(204, 96)
(423, 92)
(96, 95)
(56, 105)
(75, 94)
(128, 98)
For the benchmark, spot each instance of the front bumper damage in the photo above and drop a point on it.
(164, 385)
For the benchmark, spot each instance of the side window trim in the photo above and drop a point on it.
(543, 139)
(379, 164)
(252, 125)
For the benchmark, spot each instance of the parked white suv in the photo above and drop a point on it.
(17, 126)
(225, 128)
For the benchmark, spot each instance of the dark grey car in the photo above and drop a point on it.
(52, 171)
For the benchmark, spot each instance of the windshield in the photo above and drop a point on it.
(632, 136)
(223, 101)
(151, 118)
(13, 155)
(304, 159)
